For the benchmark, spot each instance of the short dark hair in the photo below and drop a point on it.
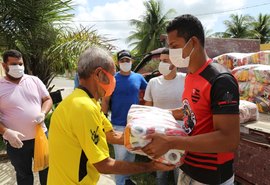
(165, 51)
(11, 53)
(187, 26)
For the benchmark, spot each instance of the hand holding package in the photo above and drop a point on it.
(143, 120)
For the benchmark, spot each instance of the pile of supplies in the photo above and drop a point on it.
(143, 120)
(232, 60)
(252, 71)
(254, 85)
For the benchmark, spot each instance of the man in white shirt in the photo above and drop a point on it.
(165, 92)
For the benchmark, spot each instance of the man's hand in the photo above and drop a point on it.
(40, 118)
(158, 146)
(178, 113)
(162, 167)
(13, 137)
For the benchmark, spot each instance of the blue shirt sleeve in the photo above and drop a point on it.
(76, 81)
(143, 83)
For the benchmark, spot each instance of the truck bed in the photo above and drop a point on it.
(252, 159)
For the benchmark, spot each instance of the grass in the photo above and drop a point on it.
(2, 144)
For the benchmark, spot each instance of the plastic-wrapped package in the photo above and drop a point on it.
(248, 111)
(253, 73)
(143, 120)
(232, 60)
(254, 85)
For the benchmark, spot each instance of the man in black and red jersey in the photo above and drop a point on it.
(210, 110)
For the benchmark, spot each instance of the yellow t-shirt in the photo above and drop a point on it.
(77, 140)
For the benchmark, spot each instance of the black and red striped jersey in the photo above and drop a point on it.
(210, 90)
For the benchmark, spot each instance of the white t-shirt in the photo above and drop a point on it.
(166, 94)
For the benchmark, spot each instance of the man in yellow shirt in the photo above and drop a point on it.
(79, 131)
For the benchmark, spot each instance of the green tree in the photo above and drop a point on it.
(29, 26)
(261, 28)
(146, 36)
(71, 42)
(238, 26)
(38, 28)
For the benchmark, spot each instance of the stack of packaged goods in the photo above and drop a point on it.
(232, 60)
(143, 120)
(254, 85)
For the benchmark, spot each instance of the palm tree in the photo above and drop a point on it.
(34, 28)
(238, 26)
(71, 42)
(261, 28)
(146, 35)
(29, 26)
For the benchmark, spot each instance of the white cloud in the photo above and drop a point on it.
(133, 9)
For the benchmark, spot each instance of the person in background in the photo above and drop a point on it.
(210, 110)
(24, 102)
(126, 93)
(165, 92)
(76, 81)
(79, 131)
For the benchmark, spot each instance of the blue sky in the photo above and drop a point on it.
(110, 17)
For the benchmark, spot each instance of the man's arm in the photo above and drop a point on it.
(111, 166)
(46, 104)
(2, 128)
(105, 105)
(225, 138)
(148, 103)
(45, 108)
(114, 137)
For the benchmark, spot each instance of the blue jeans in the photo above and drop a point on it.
(122, 154)
(162, 176)
(21, 159)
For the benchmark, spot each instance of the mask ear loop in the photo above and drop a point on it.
(186, 45)
(108, 75)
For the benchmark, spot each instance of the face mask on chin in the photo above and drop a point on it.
(176, 57)
(108, 88)
(125, 66)
(164, 68)
(16, 71)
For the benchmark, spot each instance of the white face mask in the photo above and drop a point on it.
(125, 66)
(164, 68)
(16, 71)
(176, 57)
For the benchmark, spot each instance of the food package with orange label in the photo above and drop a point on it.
(143, 120)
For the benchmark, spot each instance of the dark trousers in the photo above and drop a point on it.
(21, 159)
